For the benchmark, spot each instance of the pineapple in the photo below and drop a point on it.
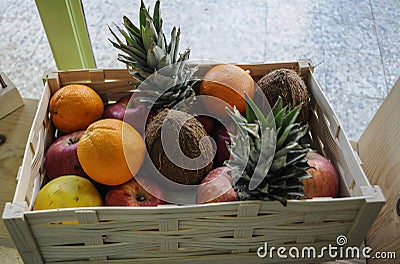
(146, 52)
(268, 162)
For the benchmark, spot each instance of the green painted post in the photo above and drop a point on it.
(65, 26)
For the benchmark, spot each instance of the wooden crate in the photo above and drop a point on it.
(222, 232)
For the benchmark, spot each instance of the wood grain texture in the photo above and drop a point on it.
(379, 149)
(15, 128)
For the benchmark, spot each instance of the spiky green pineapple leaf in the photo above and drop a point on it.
(281, 179)
(148, 36)
(298, 133)
(172, 43)
(250, 115)
(120, 45)
(140, 39)
(283, 136)
(132, 29)
(142, 15)
(147, 52)
(264, 159)
(254, 112)
(161, 40)
(296, 158)
(277, 107)
(156, 16)
(291, 116)
(131, 44)
(164, 62)
(175, 51)
(128, 37)
(154, 55)
(285, 150)
(278, 117)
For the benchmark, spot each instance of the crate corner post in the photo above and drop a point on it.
(19, 230)
(367, 214)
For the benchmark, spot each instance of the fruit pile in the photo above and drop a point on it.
(215, 133)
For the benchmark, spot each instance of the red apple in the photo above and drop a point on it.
(62, 157)
(130, 110)
(208, 123)
(216, 187)
(132, 193)
(325, 179)
(222, 138)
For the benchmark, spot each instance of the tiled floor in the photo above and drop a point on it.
(356, 44)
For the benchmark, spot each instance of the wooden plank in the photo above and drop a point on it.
(245, 211)
(14, 129)
(366, 216)
(198, 211)
(380, 152)
(113, 75)
(168, 226)
(90, 217)
(32, 169)
(343, 156)
(220, 258)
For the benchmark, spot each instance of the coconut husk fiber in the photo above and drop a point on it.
(291, 87)
(190, 134)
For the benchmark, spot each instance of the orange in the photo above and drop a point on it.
(228, 83)
(111, 151)
(74, 107)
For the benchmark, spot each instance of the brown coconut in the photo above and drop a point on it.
(291, 87)
(190, 135)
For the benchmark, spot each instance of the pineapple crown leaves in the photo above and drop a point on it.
(257, 173)
(255, 140)
(166, 77)
(161, 91)
(146, 48)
